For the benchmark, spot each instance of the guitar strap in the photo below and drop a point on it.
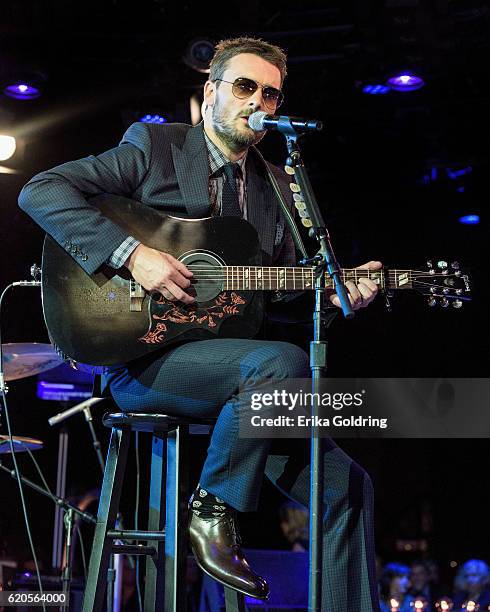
(291, 223)
(285, 209)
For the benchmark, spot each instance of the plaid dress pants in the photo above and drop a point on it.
(215, 378)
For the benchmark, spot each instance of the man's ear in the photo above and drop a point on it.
(209, 93)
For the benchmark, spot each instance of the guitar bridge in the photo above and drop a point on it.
(136, 296)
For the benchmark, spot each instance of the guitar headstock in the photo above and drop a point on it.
(445, 285)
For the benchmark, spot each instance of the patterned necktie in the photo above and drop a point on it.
(230, 205)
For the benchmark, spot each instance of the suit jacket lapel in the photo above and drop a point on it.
(192, 170)
(260, 198)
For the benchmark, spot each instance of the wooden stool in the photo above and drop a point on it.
(164, 543)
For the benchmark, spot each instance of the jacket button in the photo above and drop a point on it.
(84, 258)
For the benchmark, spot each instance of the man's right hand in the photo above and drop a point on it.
(158, 271)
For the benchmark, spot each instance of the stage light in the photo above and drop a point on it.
(195, 107)
(7, 147)
(470, 219)
(199, 54)
(445, 604)
(22, 91)
(375, 89)
(153, 119)
(471, 606)
(419, 604)
(405, 82)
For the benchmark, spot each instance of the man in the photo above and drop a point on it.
(421, 585)
(199, 171)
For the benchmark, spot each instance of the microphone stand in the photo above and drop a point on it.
(114, 573)
(70, 511)
(323, 261)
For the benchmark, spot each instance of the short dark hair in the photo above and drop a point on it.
(226, 49)
(390, 571)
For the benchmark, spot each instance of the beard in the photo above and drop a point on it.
(225, 127)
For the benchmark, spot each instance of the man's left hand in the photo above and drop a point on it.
(363, 292)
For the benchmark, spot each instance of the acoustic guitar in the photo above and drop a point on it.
(108, 318)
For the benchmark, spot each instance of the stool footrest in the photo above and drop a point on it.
(134, 549)
(135, 534)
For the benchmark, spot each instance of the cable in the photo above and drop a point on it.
(48, 489)
(82, 552)
(12, 450)
(136, 513)
(39, 471)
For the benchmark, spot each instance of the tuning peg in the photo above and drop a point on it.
(432, 302)
(444, 302)
(442, 265)
(457, 303)
(289, 169)
(295, 188)
(455, 265)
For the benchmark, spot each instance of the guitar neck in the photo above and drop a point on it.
(261, 278)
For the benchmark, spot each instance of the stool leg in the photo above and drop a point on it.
(155, 575)
(176, 518)
(93, 600)
(234, 601)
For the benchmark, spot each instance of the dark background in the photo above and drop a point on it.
(381, 169)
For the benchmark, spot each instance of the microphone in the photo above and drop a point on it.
(260, 121)
(26, 283)
(61, 416)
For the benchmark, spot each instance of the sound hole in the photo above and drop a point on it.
(208, 274)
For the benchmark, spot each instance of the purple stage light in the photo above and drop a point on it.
(470, 219)
(405, 82)
(153, 119)
(22, 91)
(375, 89)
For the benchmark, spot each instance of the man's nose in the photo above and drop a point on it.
(256, 100)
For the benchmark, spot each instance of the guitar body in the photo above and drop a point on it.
(105, 318)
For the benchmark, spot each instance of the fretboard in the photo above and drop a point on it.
(262, 278)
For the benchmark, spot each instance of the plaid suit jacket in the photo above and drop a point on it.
(162, 166)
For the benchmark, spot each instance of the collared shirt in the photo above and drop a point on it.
(217, 159)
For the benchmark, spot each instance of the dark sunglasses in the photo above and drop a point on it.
(244, 88)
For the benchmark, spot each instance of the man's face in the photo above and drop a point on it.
(419, 577)
(229, 113)
(401, 584)
(473, 576)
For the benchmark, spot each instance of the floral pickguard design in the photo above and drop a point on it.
(226, 304)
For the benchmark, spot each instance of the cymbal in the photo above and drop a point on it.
(22, 359)
(20, 444)
(6, 170)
